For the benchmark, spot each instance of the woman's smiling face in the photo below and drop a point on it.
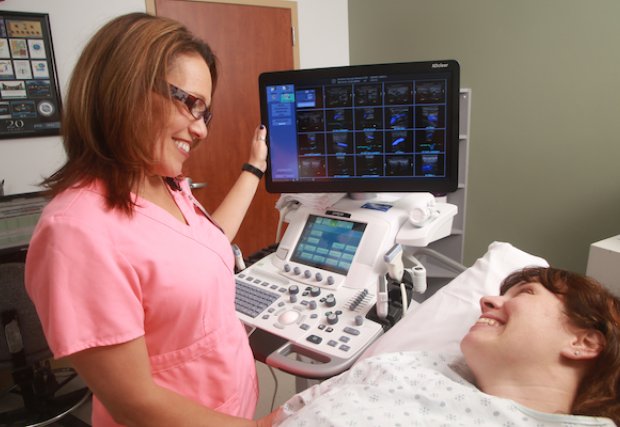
(528, 322)
(182, 131)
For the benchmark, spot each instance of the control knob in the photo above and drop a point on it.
(332, 318)
(330, 301)
(359, 320)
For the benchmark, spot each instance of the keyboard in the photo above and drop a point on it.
(251, 300)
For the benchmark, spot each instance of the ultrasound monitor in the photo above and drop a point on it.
(18, 217)
(364, 128)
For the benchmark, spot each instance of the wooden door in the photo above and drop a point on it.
(247, 40)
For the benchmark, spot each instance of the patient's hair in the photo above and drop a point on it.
(117, 100)
(588, 305)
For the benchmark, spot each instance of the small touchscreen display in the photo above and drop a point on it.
(329, 243)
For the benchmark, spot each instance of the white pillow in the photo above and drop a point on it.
(442, 321)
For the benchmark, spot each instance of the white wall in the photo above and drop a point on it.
(323, 33)
(323, 39)
(24, 161)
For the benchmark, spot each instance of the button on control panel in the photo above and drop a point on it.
(312, 276)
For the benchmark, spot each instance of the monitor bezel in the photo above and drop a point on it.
(440, 185)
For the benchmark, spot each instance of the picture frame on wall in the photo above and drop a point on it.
(30, 101)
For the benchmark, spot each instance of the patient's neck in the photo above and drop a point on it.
(552, 392)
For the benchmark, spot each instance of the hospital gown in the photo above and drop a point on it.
(412, 389)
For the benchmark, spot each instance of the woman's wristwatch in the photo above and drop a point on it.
(253, 170)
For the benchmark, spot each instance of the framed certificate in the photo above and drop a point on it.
(30, 102)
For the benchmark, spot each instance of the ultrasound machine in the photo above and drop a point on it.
(385, 135)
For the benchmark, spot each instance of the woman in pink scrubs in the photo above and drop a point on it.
(133, 282)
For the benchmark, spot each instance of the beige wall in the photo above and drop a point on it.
(544, 171)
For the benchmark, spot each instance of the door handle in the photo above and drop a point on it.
(195, 185)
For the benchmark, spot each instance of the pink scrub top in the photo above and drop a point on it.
(98, 278)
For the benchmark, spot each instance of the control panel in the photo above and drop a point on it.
(313, 295)
(319, 319)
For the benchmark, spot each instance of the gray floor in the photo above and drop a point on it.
(78, 418)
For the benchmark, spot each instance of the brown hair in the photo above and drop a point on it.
(588, 305)
(112, 116)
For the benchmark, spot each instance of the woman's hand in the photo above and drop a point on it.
(268, 420)
(258, 150)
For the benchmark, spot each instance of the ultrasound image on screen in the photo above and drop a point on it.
(430, 116)
(399, 141)
(369, 142)
(399, 165)
(367, 94)
(430, 92)
(369, 118)
(328, 244)
(312, 166)
(308, 121)
(430, 140)
(340, 143)
(311, 144)
(338, 96)
(398, 117)
(341, 165)
(399, 93)
(309, 98)
(369, 165)
(339, 119)
(429, 164)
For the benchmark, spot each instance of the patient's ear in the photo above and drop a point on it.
(587, 344)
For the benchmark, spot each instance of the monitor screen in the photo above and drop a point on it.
(328, 243)
(364, 128)
(18, 217)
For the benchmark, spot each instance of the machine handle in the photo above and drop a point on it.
(321, 366)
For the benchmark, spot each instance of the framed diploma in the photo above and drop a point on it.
(30, 102)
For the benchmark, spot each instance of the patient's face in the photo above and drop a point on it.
(527, 326)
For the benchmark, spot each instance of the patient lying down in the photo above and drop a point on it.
(546, 352)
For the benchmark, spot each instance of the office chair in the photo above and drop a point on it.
(40, 395)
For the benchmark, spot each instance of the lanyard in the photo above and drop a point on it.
(174, 184)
